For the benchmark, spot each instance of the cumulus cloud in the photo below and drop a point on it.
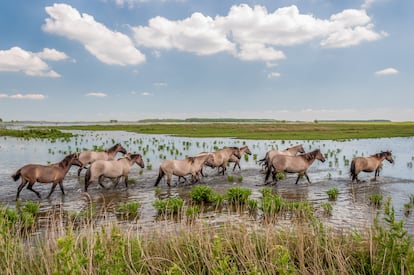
(97, 94)
(147, 94)
(52, 55)
(107, 46)
(198, 34)
(253, 33)
(388, 71)
(26, 96)
(19, 60)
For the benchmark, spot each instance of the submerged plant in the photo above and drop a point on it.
(332, 193)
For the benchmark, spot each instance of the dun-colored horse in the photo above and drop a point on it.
(221, 157)
(189, 166)
(112, 169)
(87, 157)
(293, 164)
(236, 160)
(54, 173)
(291, 151)
(369, 164)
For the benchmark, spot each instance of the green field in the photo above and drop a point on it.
(264, 130)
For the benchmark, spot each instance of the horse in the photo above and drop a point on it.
(291, 151)
(189, 166)
(53, 173)
(87, 157)
(221, 157)
(112, 169)
(293, 164)
(369, 164)
(233, 158)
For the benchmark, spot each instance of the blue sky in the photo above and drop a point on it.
(128, 60)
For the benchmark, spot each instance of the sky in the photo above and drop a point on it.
(127, 60)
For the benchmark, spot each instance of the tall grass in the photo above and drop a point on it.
(306, 247)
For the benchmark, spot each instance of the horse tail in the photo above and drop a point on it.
(87, 176)
(352, 170)
(16, 175)
(160, 175)
(269, 170)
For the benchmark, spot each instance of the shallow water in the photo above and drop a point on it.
(350, 210)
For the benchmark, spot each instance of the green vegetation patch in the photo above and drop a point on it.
(265, 130)
(36, 133)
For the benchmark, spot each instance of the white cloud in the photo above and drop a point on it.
(198, 34)
(26, 96)
(388, 71)
(253, 33)
(367, 4)
(19, 60)
(109, 47)
(147, 94)
(97, 94)
(273, 75)
(52, 54)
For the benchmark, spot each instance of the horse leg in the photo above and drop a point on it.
(306, 174)
(80, 170)
(297, 179)
(169, 180)
(30, 187)
(52, 189)
(21, 186)
(61, 187)
(100, 179)
(126, 181)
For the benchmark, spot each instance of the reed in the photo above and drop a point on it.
(306, 247)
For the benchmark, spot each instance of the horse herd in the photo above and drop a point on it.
(102, 165)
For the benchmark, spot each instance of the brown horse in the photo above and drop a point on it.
(54, 173)
(189, 166)
(291, 151)
(87, 157)
(114, 169)
(221, 157)
(293, 164)
(243, 150)
(369, 164)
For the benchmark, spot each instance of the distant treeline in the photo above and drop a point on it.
(210, 120)
(356, 120)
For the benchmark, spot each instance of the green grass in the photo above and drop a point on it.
(38, 133)
(302, 247)
(268, 130)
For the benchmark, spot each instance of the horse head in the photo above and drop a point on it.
(138, 160)
(318, 155)
(388, 156)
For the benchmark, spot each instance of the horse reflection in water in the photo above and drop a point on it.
(114, 169)
(53, 173)
(293, 164)
(88, 157)
(181, 168)
(369, 164)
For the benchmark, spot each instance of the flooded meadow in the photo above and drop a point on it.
(351, 208)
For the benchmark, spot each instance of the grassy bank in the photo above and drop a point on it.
(51, 134)
(306, 246)
(277, 131)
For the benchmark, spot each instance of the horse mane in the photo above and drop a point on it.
(66, 161)
(381, 154)
(190, 160)
(310, 155)
(111, 149)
